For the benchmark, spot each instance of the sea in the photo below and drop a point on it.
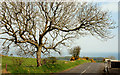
(116, 55)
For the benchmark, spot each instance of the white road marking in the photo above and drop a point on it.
(85, 69)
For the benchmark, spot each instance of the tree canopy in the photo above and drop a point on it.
(75, 52)
(46, 26)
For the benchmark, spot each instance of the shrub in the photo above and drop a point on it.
(44, 61)
(104, 60)
(92, 60)
(72, 58)
(18, 61)
(52, 59)
(75, 52)
(76, 57)
(87, 58)
(49, 60)
(79, 59)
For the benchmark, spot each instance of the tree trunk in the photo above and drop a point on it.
(39, 56)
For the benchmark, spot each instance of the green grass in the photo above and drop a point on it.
(99, 62)
(29, 65)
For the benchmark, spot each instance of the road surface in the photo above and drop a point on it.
(87, 68)
(91, 68)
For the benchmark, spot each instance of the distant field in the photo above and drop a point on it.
(29, 65)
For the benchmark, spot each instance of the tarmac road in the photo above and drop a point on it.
(90, 69)
(85, 69)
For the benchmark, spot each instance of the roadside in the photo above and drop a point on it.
(28, 65)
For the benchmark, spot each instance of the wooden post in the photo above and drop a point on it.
(6, 67)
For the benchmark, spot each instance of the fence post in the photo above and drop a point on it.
(6, 67)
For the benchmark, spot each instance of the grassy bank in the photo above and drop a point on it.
(28, 65)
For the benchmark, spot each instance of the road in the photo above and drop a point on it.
(91, 68)
(87, 68)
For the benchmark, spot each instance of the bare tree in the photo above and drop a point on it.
(75, 52)
(48, 25)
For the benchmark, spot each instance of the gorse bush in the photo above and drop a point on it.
(87, 58)
(72, 58)
(76, 57)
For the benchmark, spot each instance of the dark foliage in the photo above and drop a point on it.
(75, 52)
(49, 60)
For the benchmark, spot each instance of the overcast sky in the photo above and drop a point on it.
(91, 46)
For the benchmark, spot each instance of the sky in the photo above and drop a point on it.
(91, 46)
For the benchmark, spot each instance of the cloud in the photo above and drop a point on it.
(111, 6)
(90, 44)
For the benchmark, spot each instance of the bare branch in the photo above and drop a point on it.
(47, 25)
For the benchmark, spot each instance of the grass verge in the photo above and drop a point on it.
(28, 65)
